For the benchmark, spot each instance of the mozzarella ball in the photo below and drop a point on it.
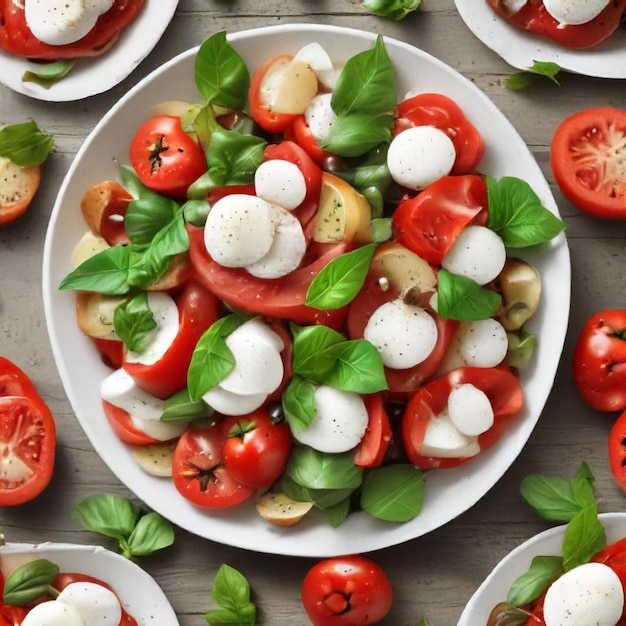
(478, 253)
(53, 613)
(575, 12)
(280, 182)
(443, 439)
(98, 605)
(403, 334)
(229, 403)
(470, 410)
(481, 343)
(419, 156)
(320, 116)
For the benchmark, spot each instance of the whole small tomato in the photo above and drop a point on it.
(165, 158)
(346, 591)
(599, 363)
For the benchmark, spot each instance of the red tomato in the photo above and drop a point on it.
(300, 133)
(165, 158)
(17, 196)
(534, 17)
(15, 382)
(599, 362)
(279, 297)
(586, 162)
(433, 109)
(261, 113)
(375, 442)
(122, 425)
(12, 615)
(111, 351)
(256, 450)
(17, 38)
(617, 450)
(198, 310)
(346, 591)
(199, 473)
(501, 387)
(429, 223)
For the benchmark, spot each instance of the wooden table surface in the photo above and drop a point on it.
(433, 576)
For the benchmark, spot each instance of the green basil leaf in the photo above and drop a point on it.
(530, 585)
(130, 181)
(299, 403)
(461, 298)
(231, 591)
(212, 359)
(521, 347)
(310, 356)
(111, 516)
(234, 157)
(584, 536)
(357, 133)
(339, 281)
(145, 217)
(393, 9)
(29, 582)
(24, 144)
(520, 80)
(196, 211)
(394, 493)
(134, 322)
(336, 515)
(358, 368)
(46, 74)
(204, 124)
(517, 215)
(367, 83)
(180, 407)
(381, 229)
(220, 73)
(151, 534)
(319, 470)
(324, 499)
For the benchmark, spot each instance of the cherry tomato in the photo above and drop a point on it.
(122, 425)
(501, 387)
(345, 591)
(429, 223)
(199, 473)
(534, 17)
(111, 351)
(198, 310)
(433, 109)
(165, 158)
(300, 133)
(599, 361)
(12, 615)
(586, 163)
(256, 450)
(373, 447)
(17, 38)
(18, 186)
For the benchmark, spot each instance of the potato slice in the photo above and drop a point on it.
(343, 214)
(155, 459)
(94, 314)
(280, 510)
(89, 245)
(288, 86)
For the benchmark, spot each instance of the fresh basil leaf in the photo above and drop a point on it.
(520, 80)
(323, 499)
(231, 591)
(204, 124)
(310, 355)
(357, 133)
(530, 585)
(319, 470)
(461, 298)
(339, 281)
(212, 359)
(221, 74)
(298, 403)
(393, 9)
(234, 157)
(381, 229)
(151, 534)
(130, 181)
(134, 322)
(367, 83)
(394, 493)
(29, 582)
(145, 217)
(108, 515)
(180, 407)
(517, 215)
(521, 347)
(336, 515)
(358, 368)
(196, 211)
(47, 74)
(24, 144)
(584, 536)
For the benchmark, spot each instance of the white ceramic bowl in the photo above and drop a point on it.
(496, 586)
(520, 48)
(92, 76)
(449, 492)
(138, 592)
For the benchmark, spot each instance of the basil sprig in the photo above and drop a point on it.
(134, 322)
(29, 582)
(393, 9)
(137, 533)
(25, 144)
(231, 591)
(234, 157)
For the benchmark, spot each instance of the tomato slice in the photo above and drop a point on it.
(15, 382)
(585, 157)
(28, 443)
(375, 442)
(198, 470)
(122, 425)
(12, 615)
(300, 133)
(617, 450)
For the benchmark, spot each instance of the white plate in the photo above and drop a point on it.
(95, 75)
(138, 592)
(449, 492)
(520, 48)
(495, 587)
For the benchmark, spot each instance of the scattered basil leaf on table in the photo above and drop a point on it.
(521, 80)
(25, 144)
(394, 9)
(231, 591)
(29, 582)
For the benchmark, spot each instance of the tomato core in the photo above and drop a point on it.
(337, 602)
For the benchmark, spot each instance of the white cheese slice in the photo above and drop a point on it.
(319, 116)
(314, 55)
(470, 410)
(575, 12)
(53, 613)
(280, 182)
(229, 403)
(98, 605)
(443, 439)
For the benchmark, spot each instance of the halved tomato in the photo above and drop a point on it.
(587, 162)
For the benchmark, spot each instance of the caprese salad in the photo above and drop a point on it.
(569, 23)
(305, 288)
(38, 594)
